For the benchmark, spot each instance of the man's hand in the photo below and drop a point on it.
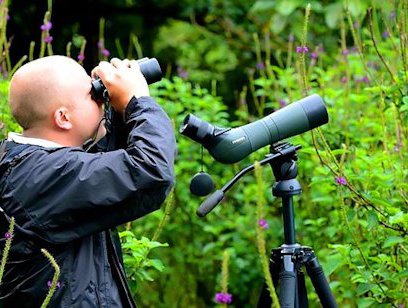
(122, 79)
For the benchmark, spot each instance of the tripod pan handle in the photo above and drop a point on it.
(210, 203)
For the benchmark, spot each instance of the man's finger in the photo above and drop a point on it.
(103, 70)
(135, 65)
(118, 63)
(126, 62)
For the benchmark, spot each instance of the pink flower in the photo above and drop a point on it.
(302, 49)
(223, 298)
(49, 284)
(263, 224)
(48, 39)
(105, 52)
(81, 57)
(341, 180)
(47, 26)
(282, 103)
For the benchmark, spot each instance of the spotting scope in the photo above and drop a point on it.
(230, 145)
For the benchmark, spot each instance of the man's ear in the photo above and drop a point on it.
(62, 118)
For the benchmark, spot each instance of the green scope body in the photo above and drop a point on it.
(231, 145)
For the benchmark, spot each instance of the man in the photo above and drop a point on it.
(65, 199)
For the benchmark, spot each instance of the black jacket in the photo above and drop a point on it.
(65, 200)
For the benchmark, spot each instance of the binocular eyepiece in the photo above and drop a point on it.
(150, 69)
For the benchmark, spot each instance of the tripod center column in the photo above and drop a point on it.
(288, 220)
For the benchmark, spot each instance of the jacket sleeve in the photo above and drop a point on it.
(68, 193)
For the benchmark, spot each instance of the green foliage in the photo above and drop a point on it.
(7, 123)
(136, 257)
(191, 47)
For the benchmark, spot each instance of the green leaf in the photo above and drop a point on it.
(365, 302)
(372, 220)
(364, 287)
(262, 6)
(278, 23)
(332, 263)
(404, 106)
(287, 7)
(157, 264)
(392, 241)
(332, 15)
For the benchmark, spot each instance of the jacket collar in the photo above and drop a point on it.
(18, 138)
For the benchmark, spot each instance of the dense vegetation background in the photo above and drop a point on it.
(231, 62)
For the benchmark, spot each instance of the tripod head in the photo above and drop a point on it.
(282, 160)
(285, 171)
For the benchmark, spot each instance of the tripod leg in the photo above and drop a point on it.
(274, 267)
(315, 272)
(303, 301)
(287, 279)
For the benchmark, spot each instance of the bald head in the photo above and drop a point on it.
(41, 86)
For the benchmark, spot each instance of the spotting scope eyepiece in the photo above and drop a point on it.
(230, 145)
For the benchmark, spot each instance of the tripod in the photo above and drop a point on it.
(287, 260)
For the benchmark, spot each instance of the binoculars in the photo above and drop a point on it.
(150, 69)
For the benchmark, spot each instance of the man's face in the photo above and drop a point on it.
(86, 113)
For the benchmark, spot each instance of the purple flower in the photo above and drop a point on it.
(340, 180)
(47, 26)
(392, 15)
(365, 79)
(100, 44)
(81, 57)
(7, 235)
(263, 224)
(343, 79)
(48, 39)
(49, 284)
(313, 55)
(385, 35)
(291, 37)
(302, 49)
(397, 147)
(182, 72)
(260, 66)
(223, 298)
(354, 49)
(345, 52)
(282, 102)
(8, 17)
(105, 52)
